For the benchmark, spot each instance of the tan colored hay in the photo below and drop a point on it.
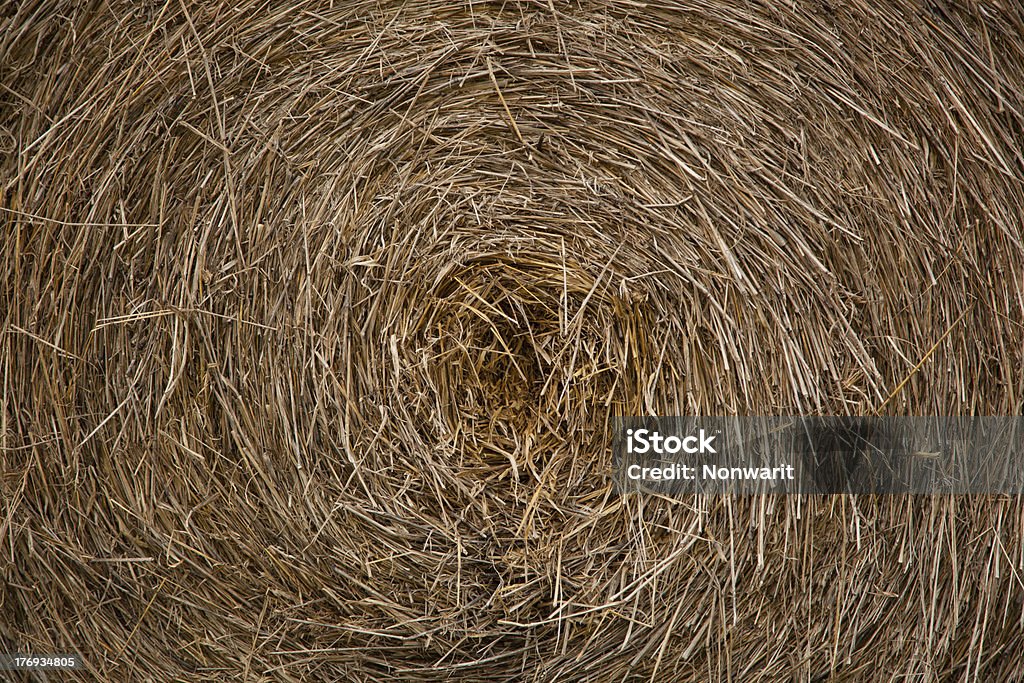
(315, 315)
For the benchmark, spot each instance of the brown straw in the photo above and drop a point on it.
(315, 316)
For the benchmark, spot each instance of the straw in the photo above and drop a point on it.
(315, 316)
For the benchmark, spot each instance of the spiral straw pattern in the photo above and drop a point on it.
(316, 315)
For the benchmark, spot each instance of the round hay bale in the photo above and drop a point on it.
(316, 316)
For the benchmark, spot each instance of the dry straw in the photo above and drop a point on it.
(315, 315)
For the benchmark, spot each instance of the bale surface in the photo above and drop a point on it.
(315, 316)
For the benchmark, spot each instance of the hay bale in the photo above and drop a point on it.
(315, 317)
